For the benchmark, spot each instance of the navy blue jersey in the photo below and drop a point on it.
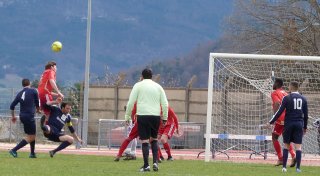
(57, 119)
(296, 107)
(28, 99)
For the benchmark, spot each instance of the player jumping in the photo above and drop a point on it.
(277, 96)
(46, 86)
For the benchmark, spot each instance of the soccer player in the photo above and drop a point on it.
(166, 131)
(295, 122)
(46, 86)
(277, 96)
(149, 96)
(57, 120)
(133, 134)
(29, 104)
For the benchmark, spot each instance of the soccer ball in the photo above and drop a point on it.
(56, 46)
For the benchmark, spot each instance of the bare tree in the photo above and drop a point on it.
(275, 27)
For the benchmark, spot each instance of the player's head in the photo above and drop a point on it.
(147, 73)
(278, 83)
(293, 86)
(51, 65)
(65, 107)
(25, 82)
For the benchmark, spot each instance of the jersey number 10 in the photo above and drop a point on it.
(297, 103)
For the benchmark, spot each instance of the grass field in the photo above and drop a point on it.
(78, 165)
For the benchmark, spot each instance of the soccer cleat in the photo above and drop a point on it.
(116, 159)
(32, 155)
(159, 161)
(161, 158)
(293, 162)
(279, 163)
(155, 167)
(170, 158)
(51, 153)
(130, 157)
(13, 153)
(298, 170)
(284, 170)
(145, 169)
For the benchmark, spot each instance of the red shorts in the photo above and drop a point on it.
(134, 131)
(44, 98)
(167, 130)
(278, 129)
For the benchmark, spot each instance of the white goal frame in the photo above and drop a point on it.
(208, 136)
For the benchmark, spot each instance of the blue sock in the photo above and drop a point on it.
(285, 158)
(63, 145)
(32, 146)
(298, 158)
(20, 145)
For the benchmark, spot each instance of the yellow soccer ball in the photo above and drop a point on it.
(56, 46)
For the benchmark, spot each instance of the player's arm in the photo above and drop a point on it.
(279, 112)
(305, 113)
(276, 102)
(36, 100)
(164, 104)
(55, 87)
(12, 106)
(174, 116)
(72, 131)
(132, 99)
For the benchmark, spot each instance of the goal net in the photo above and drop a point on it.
(239, 101)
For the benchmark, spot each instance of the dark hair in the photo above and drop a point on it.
(279, 82)
(64, 104)
(25, 82)
(50, 64)
(147, 73)
(294, 84)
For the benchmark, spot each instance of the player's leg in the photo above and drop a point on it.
(154, 123)
(297, 139)
(65, 139)
(293, 155)
(168, 132)
(29, 129)
(277, 131)
(160, 156)
(318, 138)
(44, 98)
(287, 138)
(144, 134)
(132, 135)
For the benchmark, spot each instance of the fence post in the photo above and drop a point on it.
(187, 97)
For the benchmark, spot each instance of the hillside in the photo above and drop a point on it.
(125, 34)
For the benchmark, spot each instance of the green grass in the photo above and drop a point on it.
(79, 165)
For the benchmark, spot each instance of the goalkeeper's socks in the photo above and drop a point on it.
(154, 148)
(298, 158)
(145, 152)
(285, 158)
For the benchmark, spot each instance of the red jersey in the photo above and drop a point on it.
(44, 83)
(134, 112)
(172, 118)
(277, 97)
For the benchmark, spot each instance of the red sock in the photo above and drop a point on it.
(123, 146)
(293, 155)
(167, 149)
(159, 152)
(277, 147)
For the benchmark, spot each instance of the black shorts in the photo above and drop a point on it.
(148, 126)
(29, 124)
(293, 132)
(54, 134)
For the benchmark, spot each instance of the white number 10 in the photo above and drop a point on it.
(297, 103)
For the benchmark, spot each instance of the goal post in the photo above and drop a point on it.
(239, 100)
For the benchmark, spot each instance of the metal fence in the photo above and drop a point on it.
(111, 133)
